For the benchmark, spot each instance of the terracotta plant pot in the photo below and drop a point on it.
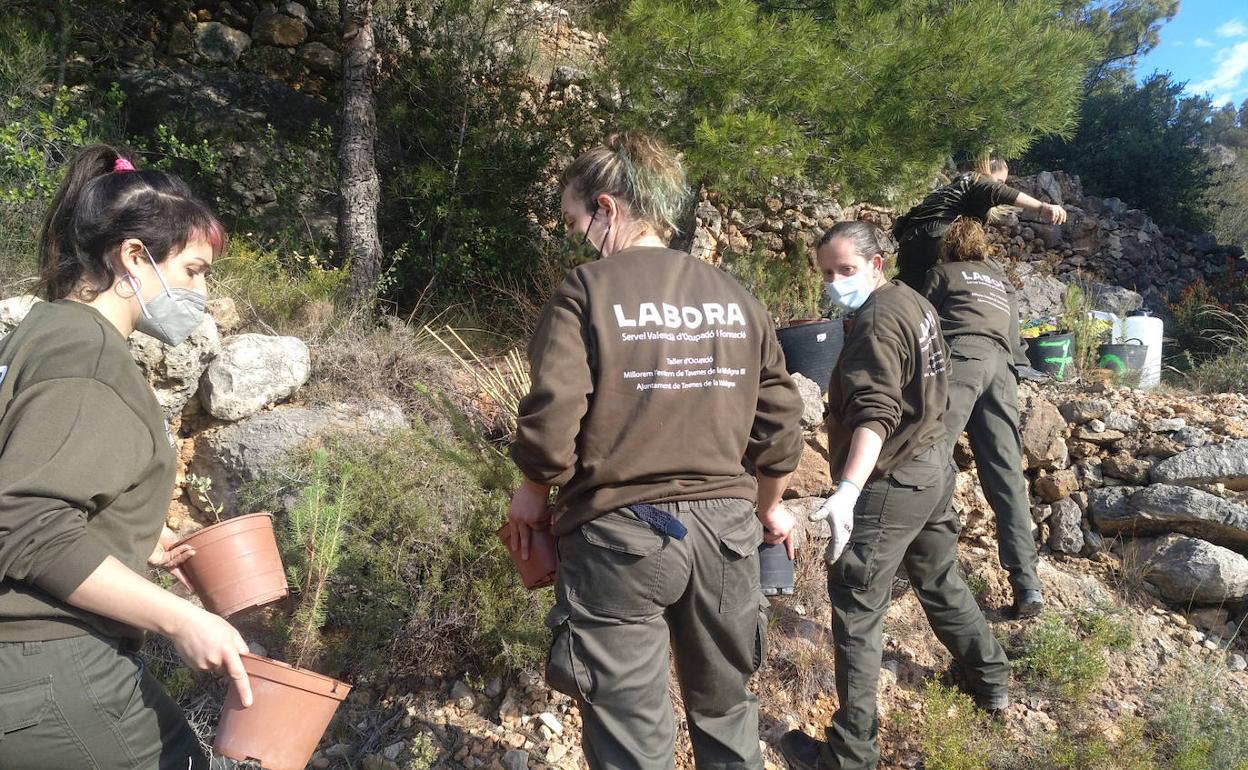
(537, 571)
(289, 714)
(236, 564)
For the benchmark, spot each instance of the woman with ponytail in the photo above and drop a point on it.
(979, 316)
(86, 471)
(656, 380)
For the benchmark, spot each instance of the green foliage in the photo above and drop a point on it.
(788, 285)
(1070, 661)
(1200, 725)
(468, 149)
(1089, 332)
(315, 528)
(1140, 143)
(273, 289)
(1127, 30)
(953, 733)
(1091, 751)
(424, 584)
(1230, 207)
(1209, 324)
(860, 95)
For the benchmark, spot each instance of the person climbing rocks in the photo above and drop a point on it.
(973, 194)
(979, 316)
(891, 507)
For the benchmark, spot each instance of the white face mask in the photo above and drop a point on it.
(171, 316)
(851, 292)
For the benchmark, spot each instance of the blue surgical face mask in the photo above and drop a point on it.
(172, 315)
(851, 292)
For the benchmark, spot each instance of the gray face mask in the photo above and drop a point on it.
(172, 316)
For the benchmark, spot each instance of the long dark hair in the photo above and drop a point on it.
(102, 202)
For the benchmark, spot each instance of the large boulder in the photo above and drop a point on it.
(232, 455)
(1225, 463)
(276, 28)
(13, 311)
(1163, 509)
(1040, 294)
(219, 44)
(253, 371)
(1041, 430)
(1065, 534)
(174, 371)
(812, 401)
(1190, 571)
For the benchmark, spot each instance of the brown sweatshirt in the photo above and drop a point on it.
(655, 378)
(86, 468)
(976, 298)
(891, 378)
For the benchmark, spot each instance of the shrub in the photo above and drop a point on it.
(788, 285)
(953, 733)
(1091, 751)
(423, 585)
(1070, 662)
(1200, 725)
(274, 290)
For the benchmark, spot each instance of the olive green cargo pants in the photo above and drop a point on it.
(88, 703)
(983, 400)
(901, 518)
(623, 591)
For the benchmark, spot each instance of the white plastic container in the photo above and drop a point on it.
(1148, 330)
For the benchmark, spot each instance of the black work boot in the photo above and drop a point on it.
(801, 751)
(1028, 603)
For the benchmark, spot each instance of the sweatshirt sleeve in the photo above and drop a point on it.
(775, 444)
(935, 287)
(562, 383)
(876, 366)
(71, 446)
(984, 193)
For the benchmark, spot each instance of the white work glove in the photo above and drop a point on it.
(840, 509)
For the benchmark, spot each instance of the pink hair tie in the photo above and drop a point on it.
(122, 165)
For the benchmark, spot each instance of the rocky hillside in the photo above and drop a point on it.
(1140, 509)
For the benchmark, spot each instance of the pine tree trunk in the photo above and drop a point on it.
(358, 186)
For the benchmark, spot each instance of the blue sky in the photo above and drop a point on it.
(1205, 44)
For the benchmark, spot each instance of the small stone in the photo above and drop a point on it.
(1056, 485)
(339, 751)
(556, 753)
(320, 763)
(494, 688)
(1191, 436)
(1236, 662)
(1096, 426)
(393, 751)
(463, 696)
(551, 721)
(1119, 421)
(1082, 411)
(1168, 425)
(516, 760)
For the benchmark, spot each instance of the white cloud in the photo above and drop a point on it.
(1233, 28)
(1223, 100)
(1202, 43)
(1232, 66)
